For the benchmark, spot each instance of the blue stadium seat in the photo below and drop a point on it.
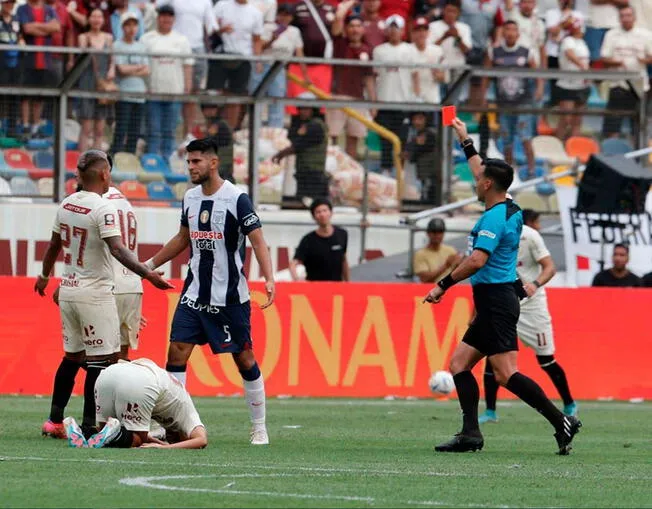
(38, 144)
(154, 163)
(539, 171)
(10, 173)
(43, 159)
(23, 185)
(614, 146)
(121, 176)
(545, 188)
(160, 191)
(175, 178)
(3, 163)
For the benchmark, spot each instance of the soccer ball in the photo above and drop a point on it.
(441, 382)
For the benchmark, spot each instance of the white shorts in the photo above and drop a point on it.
(130, 309)
(535, 329)
(90, 326)
(338, 121)
(127, 394)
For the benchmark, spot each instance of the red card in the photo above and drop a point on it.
(448, 114)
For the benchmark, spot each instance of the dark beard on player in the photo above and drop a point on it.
(200, 180)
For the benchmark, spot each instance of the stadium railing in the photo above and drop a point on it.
(356, 183)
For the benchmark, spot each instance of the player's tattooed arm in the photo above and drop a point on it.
(548, 271)
(120, 252)
(175, 246)
(265, 263)
(50, 258)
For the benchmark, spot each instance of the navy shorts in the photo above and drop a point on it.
(226, 329)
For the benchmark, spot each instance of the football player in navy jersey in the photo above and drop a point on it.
(214, 307)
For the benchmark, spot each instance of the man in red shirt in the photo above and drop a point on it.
(38, 22)
(65, 37)
(374, 24)
(350, 82)
(404, 8)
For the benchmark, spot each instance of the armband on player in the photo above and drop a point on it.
(150, 264)
(446, 283)
(43, 278)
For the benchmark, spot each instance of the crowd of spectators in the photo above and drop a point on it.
(563, 34)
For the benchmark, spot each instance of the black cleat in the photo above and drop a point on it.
(462, 443)
(570, 427)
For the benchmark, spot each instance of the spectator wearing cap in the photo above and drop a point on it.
(121, 7)
(421, 150)
(240, 26)
(92, 112)
(38, 22)
(374, 24)
(530, 26)
(451, 35)
(65, 37)
(308, 137)
(514, 91)
(168, 75)
(435, 261)
(195, 21)
(393, 84)
(625, 48)
(603, 16)
(132, 69)
(323, 251)
(425, 82)
(9, 64)
(573, 93)
(281, 40)
(350, 82)
(403, 8)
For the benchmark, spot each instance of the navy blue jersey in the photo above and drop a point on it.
(218, 225)
(497, 233)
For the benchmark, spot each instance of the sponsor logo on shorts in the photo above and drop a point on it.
(132, 413)
(192, 304)
(486, 233)
(250, 219)
(93, 342)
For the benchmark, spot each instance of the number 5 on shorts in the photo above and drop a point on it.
(228, 334)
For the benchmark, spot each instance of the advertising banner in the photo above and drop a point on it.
(351, 340)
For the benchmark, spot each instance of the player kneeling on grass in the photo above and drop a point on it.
(129, 396)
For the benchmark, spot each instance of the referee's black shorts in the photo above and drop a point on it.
(497, 310)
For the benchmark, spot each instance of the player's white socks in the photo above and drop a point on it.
(255, 396)
(178, 372)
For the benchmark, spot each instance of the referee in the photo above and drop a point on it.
(491, 265)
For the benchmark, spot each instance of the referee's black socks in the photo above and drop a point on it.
(490, 387)
(557, 375)
(530, 392)
(468, 394)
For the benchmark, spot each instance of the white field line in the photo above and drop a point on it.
(318, 471)
(151, 482)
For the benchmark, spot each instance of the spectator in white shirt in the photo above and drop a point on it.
(574, 55)
(625, 48)
(268, 9)
(240, 25)
(453, 36)
(280, 40)
(168, 75)
(193, 19)
(531, 27)
(425, 82)
(393, 84)
(603, 16)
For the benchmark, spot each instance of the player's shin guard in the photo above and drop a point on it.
(468, 394)
(530, 392)
(557, 375)
(93, 370)
(178, 372)
(254, 388)
(64, 381)
(490, 387)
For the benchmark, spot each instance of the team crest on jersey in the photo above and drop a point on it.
(219, 216)
(109, 219)
(204, 216)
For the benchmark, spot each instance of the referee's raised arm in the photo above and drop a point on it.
(472, 156)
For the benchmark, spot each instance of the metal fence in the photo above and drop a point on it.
(145, 129)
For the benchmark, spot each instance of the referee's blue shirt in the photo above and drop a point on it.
(497, 233)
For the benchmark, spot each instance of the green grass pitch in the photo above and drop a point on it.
(337, 453)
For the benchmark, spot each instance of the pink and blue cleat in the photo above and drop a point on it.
(75, 435)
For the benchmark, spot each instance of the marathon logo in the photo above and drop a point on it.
(207, 308)
(76, 209)
(486, 233)
(199, 235)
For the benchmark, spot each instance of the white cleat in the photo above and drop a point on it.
(110, 430)
(259, 435)
(74, 433)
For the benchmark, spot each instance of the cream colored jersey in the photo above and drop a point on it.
(125, 280)
(138, 392)
(83, 221)
(531, 251)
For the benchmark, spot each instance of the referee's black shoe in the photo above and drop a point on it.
(462, 443)
(569, 428)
